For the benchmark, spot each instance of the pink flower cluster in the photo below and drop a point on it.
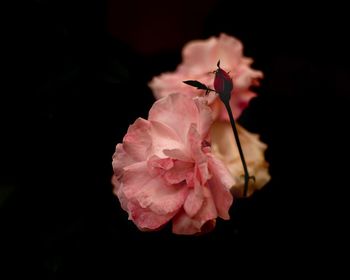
(182, 163)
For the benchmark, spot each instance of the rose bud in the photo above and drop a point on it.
(223, 83)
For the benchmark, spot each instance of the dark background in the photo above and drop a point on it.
(76, 77)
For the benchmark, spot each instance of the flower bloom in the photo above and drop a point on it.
(164, 169)
(199, 57)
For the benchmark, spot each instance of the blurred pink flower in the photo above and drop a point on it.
(164, 169)
(199, 60)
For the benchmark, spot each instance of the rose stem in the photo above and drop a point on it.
(235, 132)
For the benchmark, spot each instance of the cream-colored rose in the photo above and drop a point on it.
(224, 147)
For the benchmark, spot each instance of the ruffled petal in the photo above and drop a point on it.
(177, 111)
(145, 219)
(120, 160)
(194, 141)
(164, 136)
(178, 154)
(159, 166)
(180, 172)
(230, 52)
(168, 83)
(153, 193)
(137, 142)
(246, 77)
(194, 200)
(184, 224)
(205, 117)
(220, 184)
(198, 55)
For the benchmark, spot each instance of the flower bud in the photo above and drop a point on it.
(223, 83)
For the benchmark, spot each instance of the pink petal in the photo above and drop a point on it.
(164, 137)
(145, 219)
(178, 154)
(184, 224)
(230, 51)
(203, 172)
(220, 185)
(194, 200)
(145, 138)
(179, 112)
(239, 104)
(208, 210)
(176, 111)
(198, 155)
(197, 56)
(153, 193)
(158, 166)
(120, 160)
(117, 184)
(195, 144)
(179, 172)
(246, 77)
(205, 118)
(168, 83)
(201, 56)
(138, 141)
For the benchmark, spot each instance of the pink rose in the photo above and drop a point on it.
(164, 169)
(199, 60)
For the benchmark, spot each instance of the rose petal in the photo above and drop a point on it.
(145, 219)
(183, 224)
(137, 142)
(178, 154)
(194, 200)
(179, 112)
(120, 160)
(197, 55)
(117, 184)
(168, 83)
(159, 166)
(164, 136)
(205, 118)
(246, 77)
(195, 143)
(150, 192)
(229, 50)
(220, 185)
(179, 172)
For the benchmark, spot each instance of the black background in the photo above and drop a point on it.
(76, 77)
